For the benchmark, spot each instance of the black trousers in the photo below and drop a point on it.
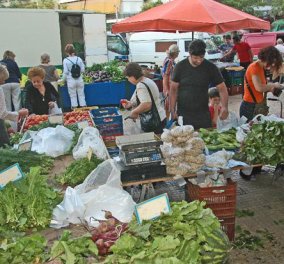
(4, 138)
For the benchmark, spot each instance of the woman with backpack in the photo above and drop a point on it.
(73, 67)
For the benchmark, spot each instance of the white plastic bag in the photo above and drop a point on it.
(132, 127)
(52, 141)
(55, 110)
(90, 138)
(101, 191)
(228, 123)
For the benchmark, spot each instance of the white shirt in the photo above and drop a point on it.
(144, 96)
(280, 47)
(4, 113)
(67, 65)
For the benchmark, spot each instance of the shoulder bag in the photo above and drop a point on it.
(150, 120)
(259, 108)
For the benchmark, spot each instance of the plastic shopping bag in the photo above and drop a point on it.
(101, 191)
(228, 123)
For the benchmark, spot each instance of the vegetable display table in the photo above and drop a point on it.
(101, 93)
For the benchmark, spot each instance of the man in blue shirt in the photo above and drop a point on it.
(226, 47)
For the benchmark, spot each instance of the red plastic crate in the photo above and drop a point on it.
(221, 200)
(228, 226)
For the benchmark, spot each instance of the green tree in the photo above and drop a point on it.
(150, 4)
(244, 5)
(40, 4)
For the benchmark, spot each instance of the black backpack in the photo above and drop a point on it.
(75, 69)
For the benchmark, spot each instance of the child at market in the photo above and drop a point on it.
(214, 104)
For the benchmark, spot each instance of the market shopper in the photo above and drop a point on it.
(141, 101)
(75, 83)
(243, 50)
(41, 96)
(167, 71)
(4, 113)
(226, 47)
(255, 84)
(214, 105)
(189, 88)
(11, 88)
(51, 74)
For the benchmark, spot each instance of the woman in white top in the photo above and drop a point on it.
(4, 113)
(75, 84)
(134, 74)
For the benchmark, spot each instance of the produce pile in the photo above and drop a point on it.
(264, 144)
(182, 150)
(38, 122)
(28, 202)
(26, 160)
(189, 234)
(78, 170)
(107, 233)
(215, 140)
(105, 72)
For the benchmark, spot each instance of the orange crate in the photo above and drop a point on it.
(221, 200)
(228, 226)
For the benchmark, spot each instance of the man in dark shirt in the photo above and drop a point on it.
(189, 88)
(226, 47)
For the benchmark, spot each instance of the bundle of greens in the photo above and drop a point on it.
(26, 160)
(189, 234)
(74, 250)
(78, 170)
(264, 144)
(28, 202)
(215, 140)
(30, 249)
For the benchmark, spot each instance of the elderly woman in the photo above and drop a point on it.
(11, 88)
(168, 67)
(4, 113)
(145, 95)
(51, 74)
(41, 96)
(255, 84)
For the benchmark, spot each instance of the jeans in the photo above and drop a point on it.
(76, 87)
(12, 92)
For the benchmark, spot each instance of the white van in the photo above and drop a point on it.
(150, 47)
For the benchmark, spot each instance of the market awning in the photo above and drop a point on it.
(100, 6)
(191, 15)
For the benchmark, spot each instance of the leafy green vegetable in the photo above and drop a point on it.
(15, 138)
(264, 144)
(74, 250)
(78, 170)
(28, 202)
(243, 213)
(189, 234)
(26, 160)
(30, 249)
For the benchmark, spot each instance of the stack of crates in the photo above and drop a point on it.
(108, 121)
(235, 81)
(221, 200)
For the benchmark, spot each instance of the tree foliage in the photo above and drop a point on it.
(150, 4)
(37, 4)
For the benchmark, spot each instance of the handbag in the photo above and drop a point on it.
(259, 108)
(150, 120)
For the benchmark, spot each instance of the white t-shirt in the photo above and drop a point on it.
(67, 65)
(144, 96)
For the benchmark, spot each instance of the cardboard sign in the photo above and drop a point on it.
(152, 208)
(83, 124)
(12, 173)
(25, 145)
(90, 153)
(56, 119)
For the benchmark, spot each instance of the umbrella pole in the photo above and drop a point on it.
(192, 35)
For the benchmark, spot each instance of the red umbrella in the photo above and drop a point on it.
(191, 15)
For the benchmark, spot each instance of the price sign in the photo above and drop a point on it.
(152, 208)
(56, 119)
(12, 173)
(25, 145)
(90, 153)
(83, 124)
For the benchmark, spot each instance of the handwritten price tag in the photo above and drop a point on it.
(12, 173)
(82, 124)
(55, 119)
(152, 208)
(25, 145)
